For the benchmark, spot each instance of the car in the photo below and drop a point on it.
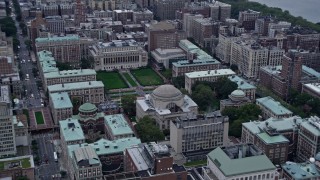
(18, 47)
(28, 60)
(32, 95)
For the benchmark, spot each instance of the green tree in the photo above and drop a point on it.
(87, 63)
(22, 178)
(203, 96)
(148, 131)
(63, 66)
(178, 82)
(129, 104)
(28, 44)
(234, 67)
(63, 174)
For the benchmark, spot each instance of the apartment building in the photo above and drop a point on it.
(166, 9)
(117, 127)
(49, 9)
(35, 26)
(308, 144)
(223, 49)
(278, 27)
(188, 23)
(248, 19)
(124, 16)
(210, 75)
(243, 161)
(189, 134)
(92, 91)
(55, 24)
(7, 135)
(151, 161)
(272, 135)
(66, 49)
(118, 54)
(250, 56)
(79, 12)
(143, 15)
(163, 35)
(272, 108)
(220, 11)
(68, 76)
(204, 30)
(309, 58)
(61, 106)
(6, 65)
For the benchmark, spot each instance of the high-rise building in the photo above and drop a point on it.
(35, 26)
(166, 9)
(248, 19)
(163, 35)
(220, 11)
(55, 24)
(7, 134)
(79, 13)
(291, 70)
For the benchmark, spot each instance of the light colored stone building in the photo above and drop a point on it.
(61, 106)
(118, 55)
(165, 57)
(236, 99)
(68, 76)
(92, 91)
(117, 127)
(165, 104)
(211, 131)
(210, 75)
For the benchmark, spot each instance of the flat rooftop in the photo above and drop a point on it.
(61, 100)
(118, 124)
(276, 139)
(71, 130)
(274, 106)
(196, 62)
(23, 162)
(75, 86)
(315, 87)
(210, 73)
(70, 73)
(301, 170)
(242, 84)
(5, 94)
(58, 38)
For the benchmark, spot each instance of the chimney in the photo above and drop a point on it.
(89, 82)
(62, 84)
(61, 98)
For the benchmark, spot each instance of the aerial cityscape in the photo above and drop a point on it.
(159, 90)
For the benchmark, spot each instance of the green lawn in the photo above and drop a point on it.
(130, 80)
(195, 163)
(147, 77)
(39, 117)
(111, 80)
(25, 163)
(167, 73)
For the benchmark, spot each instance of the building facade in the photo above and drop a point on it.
(272, 108)
(117, 127)
(118, 55)
(61, 106)
(211, 131)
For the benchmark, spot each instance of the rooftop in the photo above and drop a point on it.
(232, 166)
(107, 147)
(315, 87)
(210, 73)
(70, 73)
(161, 26)
(74, 86)
(61, 100)
(86, 156)
(71, 130)
(196, 62)
(301, 170)
(23, 162)
(187, 45)
(310, 71)
(312, 125)
(58, 38)
(266, 138)
(118, 124)
(5, 94)
(274, 106)
(242, 84)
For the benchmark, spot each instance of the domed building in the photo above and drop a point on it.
(164, 104)
(236, 99)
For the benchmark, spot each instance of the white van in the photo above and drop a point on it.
(27, 76)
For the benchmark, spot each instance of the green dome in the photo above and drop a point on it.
(87, 107)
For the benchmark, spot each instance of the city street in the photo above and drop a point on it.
(48, 166)
(33, 96)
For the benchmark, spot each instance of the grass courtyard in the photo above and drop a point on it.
(130, 80)
(147, 77)
(39, 117)
(111, 80)
(25, 163)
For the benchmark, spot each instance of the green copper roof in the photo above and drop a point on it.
(71, 130)
(301, 170)
(88, 107)
(58, 38)
(75, 86)
(272, 139)
(242, 84)
(233, 167)
(118, 124)
(274, 106)
(70, 73)
(60, 100)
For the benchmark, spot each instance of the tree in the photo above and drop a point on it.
(203, 96)
(28, 44)
(63, 174)
(234, 67)
(178, 82)
(22, 178)
(87, 63)
(63, 66)
(129, 104)
(8, 26)
(148, 131)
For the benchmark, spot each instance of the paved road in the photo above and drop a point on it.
(46, 150)
(26, 68)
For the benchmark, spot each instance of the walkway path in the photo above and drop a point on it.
(121, 74)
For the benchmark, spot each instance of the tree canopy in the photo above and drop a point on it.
(148, 131)
(237, 116)
(129, 104)
(8, 26)
(203, 96)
